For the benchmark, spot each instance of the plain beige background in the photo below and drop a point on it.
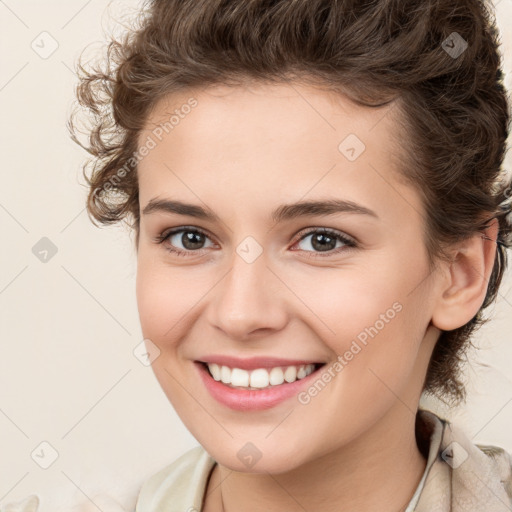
(71, 388)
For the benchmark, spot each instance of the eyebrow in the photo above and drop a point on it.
(284, 212)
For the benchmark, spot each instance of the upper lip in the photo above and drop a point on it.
(253, 363)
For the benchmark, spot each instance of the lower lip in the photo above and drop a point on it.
(248, 399)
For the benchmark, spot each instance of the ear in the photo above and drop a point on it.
(467, 278)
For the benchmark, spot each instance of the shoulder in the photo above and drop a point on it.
(466, 475)
(486, 461)
(29, 504)
(181, 483)
(502, 462)
(178, 487)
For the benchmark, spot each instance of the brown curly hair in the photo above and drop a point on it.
(438, 60)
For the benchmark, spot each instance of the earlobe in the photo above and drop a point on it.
(466, 280)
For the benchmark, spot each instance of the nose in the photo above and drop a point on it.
(250, 300)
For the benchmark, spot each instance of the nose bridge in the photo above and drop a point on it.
(248, 298)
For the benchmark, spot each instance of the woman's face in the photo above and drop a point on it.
(257, 283)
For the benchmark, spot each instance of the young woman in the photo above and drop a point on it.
(321, 218)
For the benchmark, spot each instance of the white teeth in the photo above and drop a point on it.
(225, 374)
(290, 375)
(276, 376)
(301, 373)
(239, 377)
(259, 378)
(214, 370)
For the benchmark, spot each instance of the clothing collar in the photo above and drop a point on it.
(461, 476)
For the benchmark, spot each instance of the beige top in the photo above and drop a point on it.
(459, 476)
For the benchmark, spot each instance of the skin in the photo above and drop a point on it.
(242, 152)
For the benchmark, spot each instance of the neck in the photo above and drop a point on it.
(385, 459)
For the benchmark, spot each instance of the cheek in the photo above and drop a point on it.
(164, 297)
(162, 311)
(370, 319)
(351, 303)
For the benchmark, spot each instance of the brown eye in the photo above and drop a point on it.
(190, 240)
(323, 240)
(184, 240)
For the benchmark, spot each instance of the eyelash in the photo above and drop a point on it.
(350, 243)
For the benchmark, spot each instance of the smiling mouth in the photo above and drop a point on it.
(260, 378)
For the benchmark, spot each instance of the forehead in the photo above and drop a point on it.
(267, 111)
(272, 141)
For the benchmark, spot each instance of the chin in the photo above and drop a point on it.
(245, 457)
